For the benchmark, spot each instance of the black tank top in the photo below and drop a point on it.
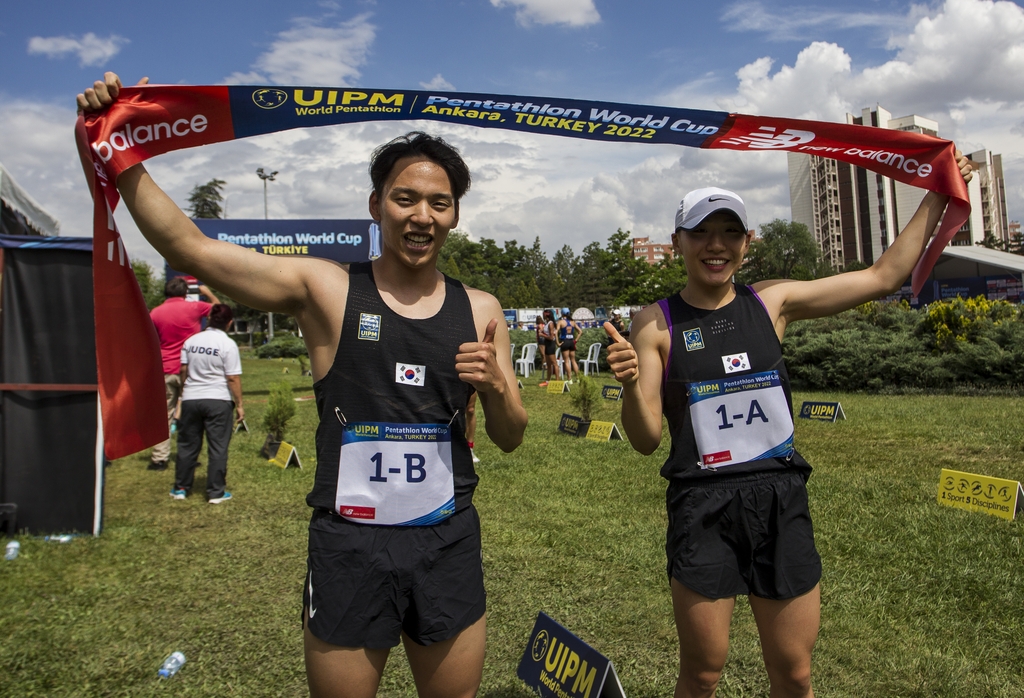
(363, 385)
(701, 339)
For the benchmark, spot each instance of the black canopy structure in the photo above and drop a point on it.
(51, 450)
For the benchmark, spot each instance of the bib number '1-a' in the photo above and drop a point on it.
(742, 419)
(395, 474)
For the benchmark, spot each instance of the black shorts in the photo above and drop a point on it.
(551, 346)
(569, 345)
(365, 585)
(742, 535)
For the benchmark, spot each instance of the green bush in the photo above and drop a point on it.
(584, 396)
(280, 409)
(890, 347)
(282, 346)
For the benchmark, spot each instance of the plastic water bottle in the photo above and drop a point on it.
(171, 665)
(11, 550)
(63, 538)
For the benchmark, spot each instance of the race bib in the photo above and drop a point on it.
(395, 474)
(737, 420)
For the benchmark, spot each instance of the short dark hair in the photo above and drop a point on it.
(221, 316)
(176, 288)
(417, 143)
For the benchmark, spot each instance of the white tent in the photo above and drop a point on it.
(23, 210)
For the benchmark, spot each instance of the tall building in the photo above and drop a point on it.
(855, 214)
(651, 252)
(988, 201)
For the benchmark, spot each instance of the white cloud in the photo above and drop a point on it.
(437, 83)
(802, 22)
(957, 63)
(90, 49)
(569, 191)
(575, 13)
(308, 54)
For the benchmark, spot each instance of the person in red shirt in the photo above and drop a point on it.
(176, 319)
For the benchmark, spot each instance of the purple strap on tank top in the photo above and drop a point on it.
(760, 301)
(663, 304)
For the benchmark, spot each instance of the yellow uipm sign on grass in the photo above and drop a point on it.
(603, 431)
(558, 387)
(286, 455)
(989, 495)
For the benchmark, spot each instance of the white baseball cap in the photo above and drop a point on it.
(701, 203)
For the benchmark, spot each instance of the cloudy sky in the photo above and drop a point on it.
(959, 62)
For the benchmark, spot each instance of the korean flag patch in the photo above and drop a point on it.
(408, 374)
(735, 363)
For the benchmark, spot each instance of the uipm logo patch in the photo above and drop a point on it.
(369, 327)
(693, 339)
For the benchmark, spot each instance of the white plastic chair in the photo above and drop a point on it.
(512, 352)
(592, 355)
(559, 362)
(524, 364)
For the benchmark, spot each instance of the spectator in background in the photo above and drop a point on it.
(546, 331)
(211, 370)
(176, 319)
(568, 333)
(619, 326)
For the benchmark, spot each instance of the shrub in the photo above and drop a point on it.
(282, 346)
(584, 396)
(280, 409)
(890, 347)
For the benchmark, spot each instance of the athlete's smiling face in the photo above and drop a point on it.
(714, 250)
(416, 209)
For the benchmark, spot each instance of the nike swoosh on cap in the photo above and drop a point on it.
(718, 198)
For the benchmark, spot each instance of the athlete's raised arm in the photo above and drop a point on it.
(639, 364)
(487, 366)
(264, 282)
(788, 300)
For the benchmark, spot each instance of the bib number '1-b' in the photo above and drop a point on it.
(737, 420)
(395, 474)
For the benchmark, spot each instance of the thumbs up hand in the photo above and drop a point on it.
(477, 362)
(621, 357)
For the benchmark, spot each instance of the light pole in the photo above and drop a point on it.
(264, 175)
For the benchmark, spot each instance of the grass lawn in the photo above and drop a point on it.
(917, 600)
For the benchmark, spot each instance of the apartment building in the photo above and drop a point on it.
(651, 252)
(855, 214)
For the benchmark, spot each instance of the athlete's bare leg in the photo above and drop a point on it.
(553, 367)
(570, 364)
(342, 672)
(449, 669)
(788, 632)
(703, 627)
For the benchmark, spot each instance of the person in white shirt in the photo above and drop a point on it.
(211, 372)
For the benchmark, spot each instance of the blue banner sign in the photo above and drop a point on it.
(557, 664)
(572, 425)
(611, 392)
(343, 241)
(822, 411)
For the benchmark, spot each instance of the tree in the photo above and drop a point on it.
(785, 250)
(665, 278)
(204, 201)
(151, 284)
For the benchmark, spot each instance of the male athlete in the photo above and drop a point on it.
(396, 349)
